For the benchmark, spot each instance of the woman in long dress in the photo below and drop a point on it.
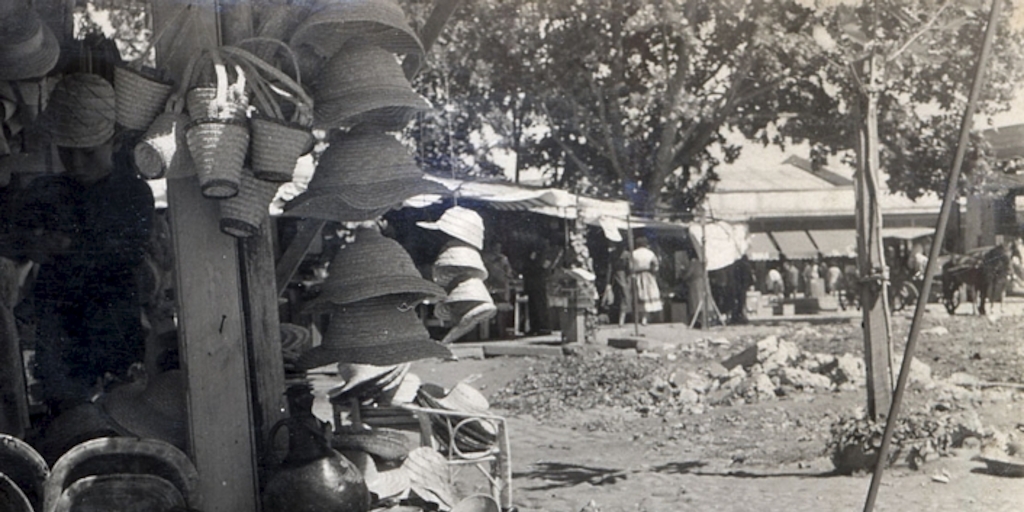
(645, 269)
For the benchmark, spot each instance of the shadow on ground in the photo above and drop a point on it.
(559, 475)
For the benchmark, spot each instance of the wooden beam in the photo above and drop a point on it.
(211, 324)
(308, 230)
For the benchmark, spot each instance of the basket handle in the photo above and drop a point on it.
(288, 51)
(176, 103)
(261, 94)
(304, 99)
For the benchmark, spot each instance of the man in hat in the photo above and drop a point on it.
(87, 227)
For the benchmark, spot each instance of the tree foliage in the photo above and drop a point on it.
(635, 97)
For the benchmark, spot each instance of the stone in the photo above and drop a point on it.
(758, 387)
(938, 330)
(716, 370)
(688, 396)
(775, 353)
(849, 370)
(803, 379)
(746, 358)
(963, 379)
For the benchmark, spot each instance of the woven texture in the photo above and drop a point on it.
(379, 331)
(81, 112)
(163, 149)
(276, 147)
(200, 104)
(218, 149)
(119, 492)
(460, 223)
(379, 22)
(156, 412)
(25, 468)
(30, 48)
(373, 266)
(139, 98)
(241, 215)
(361, 79)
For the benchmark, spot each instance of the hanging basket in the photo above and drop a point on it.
(201, 103)
(139, 97)
(218, 149)
(163, 150)
(276, 147)
(240, 216)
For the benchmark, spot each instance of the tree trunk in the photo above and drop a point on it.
(870, 252)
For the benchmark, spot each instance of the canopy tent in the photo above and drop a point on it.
(724, 242)
(796, 245)
(761, 248)
(835, 243)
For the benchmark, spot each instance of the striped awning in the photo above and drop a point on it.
(761, 248)
(795, 244)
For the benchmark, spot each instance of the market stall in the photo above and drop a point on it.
(236, 94)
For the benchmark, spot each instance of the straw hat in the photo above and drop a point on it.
(387, 445)
(124, 491)
(379, 331)
(477, 503)
(23, 466)
(469, 290)
(363, 83)
(74, 426)
(479, 312)
(372, 266)
(380, 22)
(429, 476)
(359, 376)
(460, 223)
(28, 48)
(369, 171)
(11, 497)
(457, 262)
(81, 112)
(158, 412)
(332, 207)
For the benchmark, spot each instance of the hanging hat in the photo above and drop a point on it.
(358, 377)
(28, 48)
(112, 492)
(461, 223)
(81, 112)
(469, 290)
(372, 266)
(456, 262)
(378, 331)
(379, 22)
(12, 499)
(157, 412)
(477, 503)
(330, 206)
(363, 83)
(477, 313)
(369, 171)
(25, 468)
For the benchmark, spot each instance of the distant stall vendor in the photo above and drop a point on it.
(87, 227)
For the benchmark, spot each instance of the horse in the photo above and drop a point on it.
(986, 274)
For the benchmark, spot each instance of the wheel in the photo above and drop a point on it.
(904, 295)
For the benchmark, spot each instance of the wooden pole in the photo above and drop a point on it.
(211, 325)
(948, 201)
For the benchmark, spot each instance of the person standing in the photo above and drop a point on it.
(644, 264)
(87, 228)
(535, 271)
(498, 282)
(791, 276)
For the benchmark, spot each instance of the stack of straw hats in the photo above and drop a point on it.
(28, 48)
(469, 430)
(460, 269)
(360, 176)
(371, 296)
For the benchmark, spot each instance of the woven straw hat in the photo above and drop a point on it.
(329, 206)
(120, 492)
(363, 83)
(370, 170)
(81, 112)
(25, 468)
(477, 503)
(380, 22)
(158, 412)
(461, 223)
(28, 48)
(477, 313)
(429, 476)
(12, 499)
(359, 375)
(379, 331)
(457, 262)
(469, 290)
(383, 444)
(372, 266)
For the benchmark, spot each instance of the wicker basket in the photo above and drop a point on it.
(218, 148)
(276, 147)
(162, 151)
(199, 102)
(240, 216)
(139, 98)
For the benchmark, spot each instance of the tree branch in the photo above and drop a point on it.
(927, 26)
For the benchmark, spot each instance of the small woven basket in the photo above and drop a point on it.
(218, 148)
(276, 147)
(200, 104)
(139, 98)
(240, 216)
(162, 151)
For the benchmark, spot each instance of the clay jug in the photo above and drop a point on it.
(313, 477)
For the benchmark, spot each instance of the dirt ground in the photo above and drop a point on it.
(764, 456)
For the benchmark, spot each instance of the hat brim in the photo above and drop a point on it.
(470, 320)
(384, 106)
(361, 289)
(436, 226)
(37, 64)
(12, 499)
(23, 465)
(379, 354)
(141, 419)
(329, 207)
(375, 195)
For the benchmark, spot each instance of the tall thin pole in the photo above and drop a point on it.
(933, 255)
(632, 282)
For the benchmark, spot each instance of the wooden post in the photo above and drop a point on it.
(870, 253)
(211, 324)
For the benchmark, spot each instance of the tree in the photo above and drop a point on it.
(627, 98)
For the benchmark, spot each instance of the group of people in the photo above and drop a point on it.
(791, 278)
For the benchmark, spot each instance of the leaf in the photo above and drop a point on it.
(855, 33)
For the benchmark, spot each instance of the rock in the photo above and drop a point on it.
(758, 387)
(650, 355)
(745, 358)
(938, 330)
(775, 353)
(920, 372)
(963, 379)
(849, 370)
(716, 371)
(719, 342)
(803, 379)
(688, 397)
(696, 382)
